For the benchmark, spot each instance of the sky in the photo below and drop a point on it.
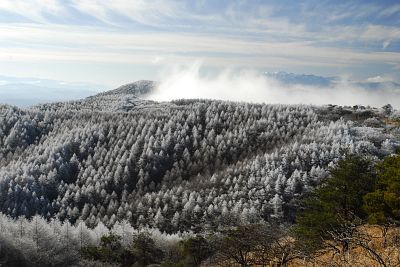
(112, 42)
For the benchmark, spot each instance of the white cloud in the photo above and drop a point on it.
(35, 10)
(375, 79)
(157, 60)
(148, 12)
(378, 79)
(187, 82)
(390, 10)
(230, 21)
(234, 36)
(94, 44)
(93, 9)
(386, 44)
(378, 32)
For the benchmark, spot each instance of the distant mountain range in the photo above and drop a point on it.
(288, 78)
(25, 92)
(379, 85)
(303, 79)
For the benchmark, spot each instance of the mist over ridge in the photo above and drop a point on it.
(275, 88)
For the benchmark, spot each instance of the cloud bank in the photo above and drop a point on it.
(251, 86)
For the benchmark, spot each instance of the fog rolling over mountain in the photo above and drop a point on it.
(276, 87)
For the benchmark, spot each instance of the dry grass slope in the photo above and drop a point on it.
(372, 246)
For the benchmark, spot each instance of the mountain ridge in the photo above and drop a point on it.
(137, 88)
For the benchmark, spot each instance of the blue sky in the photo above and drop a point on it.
(116, 41)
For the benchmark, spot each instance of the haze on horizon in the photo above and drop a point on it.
(112, 42)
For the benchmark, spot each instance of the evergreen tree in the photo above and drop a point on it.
(336, 202)
(383, 204)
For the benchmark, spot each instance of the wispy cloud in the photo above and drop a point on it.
(150, 12)
(71, 43)
(386, 44)
(35, 10)
(390, 11)
(234, 33)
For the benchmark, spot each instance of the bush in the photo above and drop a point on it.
(196, 249)
(145, 251)
(110, 251)
(254, 244)
(11, 256)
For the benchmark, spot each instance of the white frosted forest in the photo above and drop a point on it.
(172, 168)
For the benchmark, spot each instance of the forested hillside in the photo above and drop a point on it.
(184, 165)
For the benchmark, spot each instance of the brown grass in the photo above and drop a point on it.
(385, 242)
(391, 122)
(376, 241)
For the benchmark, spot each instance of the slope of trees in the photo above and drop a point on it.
(82, 180)
(185, 165)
